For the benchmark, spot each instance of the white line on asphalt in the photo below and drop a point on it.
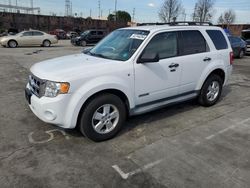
(51, 136)
(127, 175)
(226, 129)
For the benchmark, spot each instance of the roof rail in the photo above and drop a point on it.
(145, 24)
(181, 23)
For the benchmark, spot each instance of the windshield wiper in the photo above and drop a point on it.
(97, 55)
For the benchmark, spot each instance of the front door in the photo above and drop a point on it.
(159, 80)
(26, 39)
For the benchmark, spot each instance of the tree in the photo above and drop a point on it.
(203, 10)
(111, 17)
(120, 16)
(170, 10)
(227, 18)
(221, 20)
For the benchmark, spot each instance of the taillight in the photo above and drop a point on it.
(231, 58)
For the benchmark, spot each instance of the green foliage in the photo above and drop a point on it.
(121, 16)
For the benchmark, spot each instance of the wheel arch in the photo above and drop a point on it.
(46, 40)
(116, 92)
(12, 40)
(218, 71)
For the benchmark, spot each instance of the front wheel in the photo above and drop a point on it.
(103, 117)
(211, 91)
(12, 44)
(83, 43)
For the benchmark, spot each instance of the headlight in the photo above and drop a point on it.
(52, 89)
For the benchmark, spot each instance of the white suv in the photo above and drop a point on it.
(131, 71)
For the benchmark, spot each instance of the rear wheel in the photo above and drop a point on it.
(46, 43)
(211, 90)
(103, 117)
(12, 44)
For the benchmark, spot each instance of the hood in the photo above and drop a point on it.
(67, 67)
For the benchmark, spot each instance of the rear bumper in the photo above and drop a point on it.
(248, 49)
(228, 75)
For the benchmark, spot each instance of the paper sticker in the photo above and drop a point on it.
(138, 36)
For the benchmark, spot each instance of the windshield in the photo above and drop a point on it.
(246, 35)
(120, 44)
(85, 33)
(20, 33)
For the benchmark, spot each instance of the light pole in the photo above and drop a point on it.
(115, 10)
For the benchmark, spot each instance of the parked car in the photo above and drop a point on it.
(28, 38)
(88, 37)
(132, 71)
(71, 34)
(60, 34)
(239, 46)
(246, 37)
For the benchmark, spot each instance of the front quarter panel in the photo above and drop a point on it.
(88, 89)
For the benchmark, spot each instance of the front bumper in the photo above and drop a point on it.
(3, 43)
(49, 110)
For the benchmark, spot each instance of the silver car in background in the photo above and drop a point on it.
(28, 38)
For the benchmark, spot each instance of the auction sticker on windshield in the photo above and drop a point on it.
(138, 36)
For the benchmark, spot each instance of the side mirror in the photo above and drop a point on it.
(150, 57)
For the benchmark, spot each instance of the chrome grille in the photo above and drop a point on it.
(36, 85)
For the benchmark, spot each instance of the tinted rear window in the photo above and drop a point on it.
(192, 42)
(218, 39)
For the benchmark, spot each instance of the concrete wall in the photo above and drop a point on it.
(48, 23)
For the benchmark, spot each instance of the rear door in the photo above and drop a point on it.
(195, 55)
(37, 37)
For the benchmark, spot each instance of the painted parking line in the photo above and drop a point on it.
(227, 129)
(50, 138)
(129, 174)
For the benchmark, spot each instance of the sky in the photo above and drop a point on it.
(145, 10)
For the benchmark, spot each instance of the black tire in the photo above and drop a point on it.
(46, 43)
(12, 44)
(203, 97)
(241, 54)
(83, 43)
(87, 117)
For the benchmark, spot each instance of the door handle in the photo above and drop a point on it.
(173, 65)
(207, 59)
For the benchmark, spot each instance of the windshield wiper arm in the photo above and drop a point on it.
(97, 55)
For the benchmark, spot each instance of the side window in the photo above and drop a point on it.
(165, 44)
(36, 33)
(99, 32)
(218, 39)
(27, 34)
(93, 32)
(192, 42)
